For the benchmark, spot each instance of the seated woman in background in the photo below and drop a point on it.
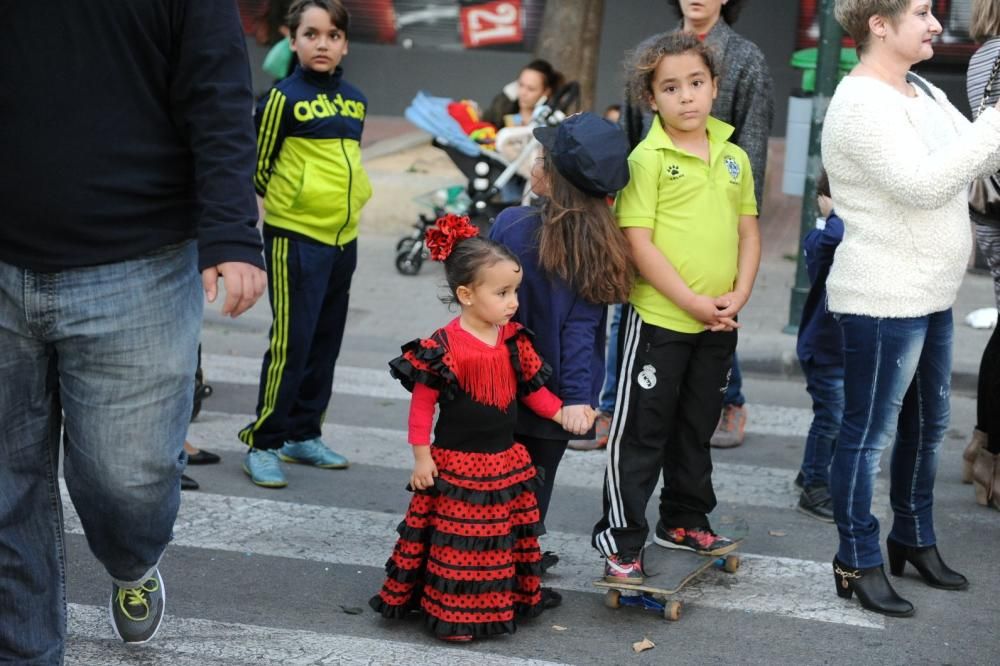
(515, 104)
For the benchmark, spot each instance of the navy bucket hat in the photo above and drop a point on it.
(588, 151)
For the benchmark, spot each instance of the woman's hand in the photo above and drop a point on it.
(578, 419)
(424, 469)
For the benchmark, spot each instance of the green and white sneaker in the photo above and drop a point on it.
(264, 468)
(312, 452)
(136, 613)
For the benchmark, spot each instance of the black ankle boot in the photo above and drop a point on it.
(873, 588)
(928, 562)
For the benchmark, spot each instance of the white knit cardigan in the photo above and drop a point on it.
(899, 172)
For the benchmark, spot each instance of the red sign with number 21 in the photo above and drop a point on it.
(492, 23)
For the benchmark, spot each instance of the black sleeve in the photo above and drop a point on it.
(211, 100)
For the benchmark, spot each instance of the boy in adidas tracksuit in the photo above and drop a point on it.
(310, 175)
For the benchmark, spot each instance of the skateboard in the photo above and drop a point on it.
(668, 570)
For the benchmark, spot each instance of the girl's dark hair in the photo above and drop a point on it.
(730, 10)
(468, 258)
(823, 183)
(640, 64)
(580, 242)
(553, 78)
(339, 15)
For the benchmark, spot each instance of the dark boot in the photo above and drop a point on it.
(873, 588)
(815, 501)
(927, 561)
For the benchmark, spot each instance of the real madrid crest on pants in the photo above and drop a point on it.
(647, 377)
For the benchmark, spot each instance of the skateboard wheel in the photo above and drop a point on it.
(613, 599)
(672, 611)
(732, 563)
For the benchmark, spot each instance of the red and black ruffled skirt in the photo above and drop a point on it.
(467, 554)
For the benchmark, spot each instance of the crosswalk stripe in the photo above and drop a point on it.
(348, 380)
(776, 585)
(196, 642)
(751, 485)
(775, 420)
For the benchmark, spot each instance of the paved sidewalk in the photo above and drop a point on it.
(402, 163)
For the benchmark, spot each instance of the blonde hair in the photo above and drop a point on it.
(854, 15)
(985, 19)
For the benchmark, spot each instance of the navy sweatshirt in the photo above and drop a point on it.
(125, 127)
(569, 330)
(820, 339)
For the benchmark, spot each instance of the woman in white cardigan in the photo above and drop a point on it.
(900, 158)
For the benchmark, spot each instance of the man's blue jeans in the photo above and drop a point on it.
(825, 384)
(897, 382)
(108, 355)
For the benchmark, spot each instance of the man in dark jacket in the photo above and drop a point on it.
(129, 146)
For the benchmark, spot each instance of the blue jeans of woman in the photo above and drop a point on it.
(897, 384)
(825, 384)
(106, 355)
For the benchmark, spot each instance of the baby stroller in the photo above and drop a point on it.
(495, 180)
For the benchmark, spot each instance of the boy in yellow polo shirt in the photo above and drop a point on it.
(690, 216)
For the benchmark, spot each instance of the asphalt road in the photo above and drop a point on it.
(259, 576)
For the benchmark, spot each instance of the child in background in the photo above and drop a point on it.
(467, 554)
(820, 350)
(310, 175)
(689, 214)
(576, 262)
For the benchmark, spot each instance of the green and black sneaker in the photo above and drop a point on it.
(136, 613)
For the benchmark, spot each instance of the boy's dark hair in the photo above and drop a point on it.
(823, 183)
(467, 258)
(339, 15)
(730, 10)
(640, 64)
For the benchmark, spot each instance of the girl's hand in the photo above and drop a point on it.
(424, 469)
(577, 419)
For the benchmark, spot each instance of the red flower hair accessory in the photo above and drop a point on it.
(442, 236)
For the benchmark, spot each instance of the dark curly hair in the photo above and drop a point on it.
(640, 64)
(730, 10)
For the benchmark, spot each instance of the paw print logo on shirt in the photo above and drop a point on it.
(674, 171)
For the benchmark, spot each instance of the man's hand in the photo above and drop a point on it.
(244, 283)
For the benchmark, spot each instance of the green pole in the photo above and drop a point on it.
(827, 66)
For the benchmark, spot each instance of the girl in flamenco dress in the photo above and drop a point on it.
(467, 555)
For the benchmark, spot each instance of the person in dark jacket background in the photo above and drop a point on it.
(113, 204)
(820, 349)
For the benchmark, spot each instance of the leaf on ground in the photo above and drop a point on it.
(777, 533)
(558, 627)
(643, 645)
(352, 610)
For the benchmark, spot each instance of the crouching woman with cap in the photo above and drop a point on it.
(576, 262)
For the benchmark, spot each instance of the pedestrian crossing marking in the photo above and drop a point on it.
(748, 485)
(196, 642)
(774, 420)
(776, 585)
